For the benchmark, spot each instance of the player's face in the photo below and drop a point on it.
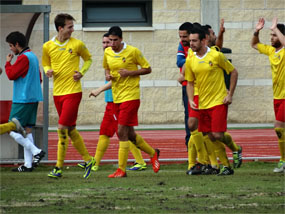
(115, 43)
(67, 30)
(13, 48)
(105, 42)
(275, 42)
(184, 37)
(212, 38)
(195, 42)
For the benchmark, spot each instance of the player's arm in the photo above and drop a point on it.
(190, 94)
(181, 77)
(143, 71)
(18, 69)
(180, 58)
(276, 31)
(98, 91)
(46, 62)
(233, 82)
(220, 38)
(255, 38)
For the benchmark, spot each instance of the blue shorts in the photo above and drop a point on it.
(26, 113)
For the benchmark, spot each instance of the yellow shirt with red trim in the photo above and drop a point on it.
(277, 61)
(189, 55)
(124, 88)
(207, 72)
(64, 59)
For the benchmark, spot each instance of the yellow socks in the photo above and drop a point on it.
(123, 154)
(211, 151)
(281, 141)
(62, 146)
(7, 127)
(144, 146)
(221, 153)
(198, 139)
(227, 139)
(78, 143)
(192, 153)
(137, 154)
(102, 146)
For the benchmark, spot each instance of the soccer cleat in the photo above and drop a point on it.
(95, 168)
(118, 174)
(209, 170)
(196, 170)
(237, 158)
(22, 168)
(280, 167)
(226, 171)
(88, 167)
(19, 127)
(82, 165)
(154, 161)
(138, 167)
(38, 158)
(55, 173)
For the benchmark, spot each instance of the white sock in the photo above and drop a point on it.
(28, 155)
(26, 143)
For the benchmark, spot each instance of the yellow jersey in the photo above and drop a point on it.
(277, 61)
(124, 88)
(207, 72)
(63, 59)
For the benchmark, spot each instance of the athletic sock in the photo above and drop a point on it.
(78, 143)
(227, 139)
(221, 153)
(61, 146)
(197, 137)
(7, 127)
(137, 154)
(144, 146)
(123, 154)
(281, 141)
(28, 155)
(192, 153)
(102, 146)
(211, 151)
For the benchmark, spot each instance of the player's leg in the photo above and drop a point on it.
(139, 161)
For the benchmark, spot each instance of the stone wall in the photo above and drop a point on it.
(160, 93)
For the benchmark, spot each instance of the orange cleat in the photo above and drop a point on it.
(118, 174)
(154, 161)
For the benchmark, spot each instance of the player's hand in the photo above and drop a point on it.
(124, 72)
(193, 105)
(274, 23)
(180, 78)
(49, 73)
(95, 93)
(77, 76)
(222, 28)
(228, 100)
(108, 77)
(9, 57)
(260, 24)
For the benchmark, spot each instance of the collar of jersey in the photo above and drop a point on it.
(59, 44)
(125, 46)
(208, 50)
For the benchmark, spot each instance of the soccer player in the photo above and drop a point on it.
(205, 67)
(27, 93)
(276, 54)
(109, 125)
(121, 63)
(184, 31)
(61, 57)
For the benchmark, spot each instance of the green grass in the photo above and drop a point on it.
(254, 188)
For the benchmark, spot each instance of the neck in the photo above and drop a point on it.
(279, 48)
(202, 51)
(120, 47)
(60, 38)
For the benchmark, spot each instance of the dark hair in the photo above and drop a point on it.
(281, 27)
(186, 26)
(206, 29)
(60, 19)
(196, 24)
(200, 31)
(106, 34)
(17, 37)
(115, 31)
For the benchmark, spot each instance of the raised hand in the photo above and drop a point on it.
(260, 24)
(274, 23)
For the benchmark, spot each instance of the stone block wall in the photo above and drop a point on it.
(161, 98)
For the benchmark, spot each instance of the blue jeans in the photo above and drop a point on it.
(186, 114)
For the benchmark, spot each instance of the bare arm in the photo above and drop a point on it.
(143, 71)
(220, 38)
(233, 82)
(98, 91)
(255, 38)
(275, 30)
(181, 77)
(190, 94)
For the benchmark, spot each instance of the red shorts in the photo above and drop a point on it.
(127, 112)
(192, 112)
(279, 110)
(67, 108)
(109, 124)
(213, 119)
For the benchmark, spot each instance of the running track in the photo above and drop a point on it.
(261, 143)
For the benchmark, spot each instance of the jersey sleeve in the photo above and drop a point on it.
(18, 69)
(180, 59)
(225, 64)
(265, 49)
(189, 75)
(46, 58)
(140, 59)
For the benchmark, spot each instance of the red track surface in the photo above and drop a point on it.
(255, 143)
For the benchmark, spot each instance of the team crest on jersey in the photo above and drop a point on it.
(124, 59)
(210, 63)
(70, 50)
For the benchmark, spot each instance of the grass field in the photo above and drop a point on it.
(254, 188)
